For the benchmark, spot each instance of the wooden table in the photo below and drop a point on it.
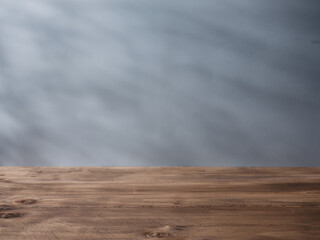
(169, 203)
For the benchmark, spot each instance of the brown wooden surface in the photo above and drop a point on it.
(168, 203)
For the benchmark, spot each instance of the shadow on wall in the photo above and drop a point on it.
(154, 83)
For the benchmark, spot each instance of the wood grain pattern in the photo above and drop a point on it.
(151, 203)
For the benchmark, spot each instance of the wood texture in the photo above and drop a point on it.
(168, 203)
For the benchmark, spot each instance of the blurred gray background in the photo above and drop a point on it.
(160, 82)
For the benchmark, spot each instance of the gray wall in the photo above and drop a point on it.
(160, 82)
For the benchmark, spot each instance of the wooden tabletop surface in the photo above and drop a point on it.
(168, 203)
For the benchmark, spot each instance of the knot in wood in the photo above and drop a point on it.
(26, 201)
(9, 215)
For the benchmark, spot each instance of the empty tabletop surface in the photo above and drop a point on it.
(204, 203)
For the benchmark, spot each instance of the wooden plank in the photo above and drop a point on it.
(169, 203)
